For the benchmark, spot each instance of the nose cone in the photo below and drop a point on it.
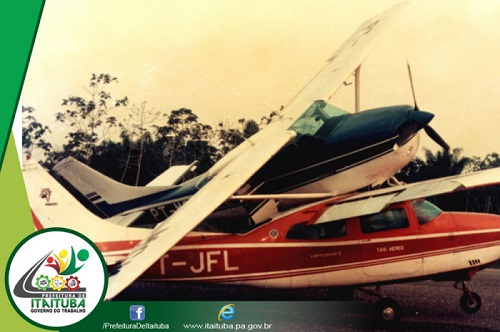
(420, 117)
(415, 120)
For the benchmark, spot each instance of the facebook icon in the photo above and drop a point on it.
(137, 312)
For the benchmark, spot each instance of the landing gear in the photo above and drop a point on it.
(386, 311)
(470, 302)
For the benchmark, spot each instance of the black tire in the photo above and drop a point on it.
(469, 306)
(387, 312)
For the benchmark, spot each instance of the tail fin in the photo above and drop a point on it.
(102, 191)
(53, 206)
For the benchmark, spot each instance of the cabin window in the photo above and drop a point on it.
(327, 230)
(314, 118)
(384, 221)
(425, 211)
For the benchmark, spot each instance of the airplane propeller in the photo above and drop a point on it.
(436, 137)
(427, 128)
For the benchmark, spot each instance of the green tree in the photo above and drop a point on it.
(33, 133)
(89, 118)
(491, 160)
(435, 165)
(140, 118)
(230, 137)
(274, 115)
(183, 140)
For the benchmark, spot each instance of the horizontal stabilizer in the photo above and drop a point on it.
(172, 176)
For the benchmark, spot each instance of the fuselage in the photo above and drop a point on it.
(334, 152)
(410, 240)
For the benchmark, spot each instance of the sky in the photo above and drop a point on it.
(231, 59)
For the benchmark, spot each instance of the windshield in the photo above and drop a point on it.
(425, 211)
(315, 116)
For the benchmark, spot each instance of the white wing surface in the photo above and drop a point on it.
(343, 62)
(331, 77)
(202, 204)
(376, 200)
(236, 168)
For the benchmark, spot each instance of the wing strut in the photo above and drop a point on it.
(357, 91)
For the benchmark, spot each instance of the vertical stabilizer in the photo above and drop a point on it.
(53, 206)
(98, 188)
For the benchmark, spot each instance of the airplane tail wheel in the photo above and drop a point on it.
(470, 304)
(387, 311)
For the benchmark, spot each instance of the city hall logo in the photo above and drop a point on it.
(56, 277)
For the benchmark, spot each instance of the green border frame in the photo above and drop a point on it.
(19, 21)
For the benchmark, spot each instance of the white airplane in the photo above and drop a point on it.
(248, 210)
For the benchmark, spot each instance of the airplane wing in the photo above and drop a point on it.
(344, 61)
(376, 200)
(330, 78)
(232, 171)
(213, 194)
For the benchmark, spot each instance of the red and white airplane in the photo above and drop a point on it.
(236, 224)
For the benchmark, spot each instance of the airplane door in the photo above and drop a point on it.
(389, 246)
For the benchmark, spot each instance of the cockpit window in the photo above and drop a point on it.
(315, 116)
(327, 230)
(384, 221)
(425, 211)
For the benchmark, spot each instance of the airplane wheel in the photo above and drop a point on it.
(469, 306)
(387, 311)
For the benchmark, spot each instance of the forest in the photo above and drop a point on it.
(133, 144)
